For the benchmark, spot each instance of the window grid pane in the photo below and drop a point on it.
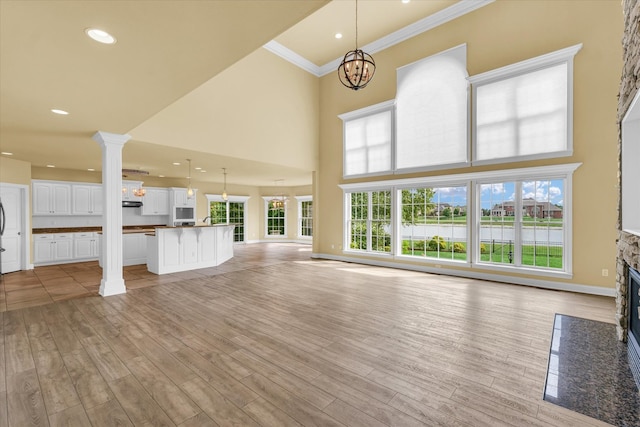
(497, 234)
(358, 221)
(306, 218)
(218, 212)
(542, 224)
(236, 217)
(275, 220)
(434, 223)
(381, 221)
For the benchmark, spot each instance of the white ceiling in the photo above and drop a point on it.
(175, 65)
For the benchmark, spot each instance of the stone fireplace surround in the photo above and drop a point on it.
(628, 246)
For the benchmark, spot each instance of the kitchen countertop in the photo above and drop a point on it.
(126, 229)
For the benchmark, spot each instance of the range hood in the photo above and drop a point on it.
(131, 204)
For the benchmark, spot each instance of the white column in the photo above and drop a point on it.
(112, 282)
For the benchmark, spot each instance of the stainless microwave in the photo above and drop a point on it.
(185, 214)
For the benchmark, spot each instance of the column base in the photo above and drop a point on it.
(112, 287)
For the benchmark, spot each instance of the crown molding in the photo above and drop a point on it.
(289, 55)
(449, 14)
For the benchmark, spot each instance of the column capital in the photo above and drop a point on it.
(104, 138)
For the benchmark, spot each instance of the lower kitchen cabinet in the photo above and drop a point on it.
(52, 248)
(86, 246)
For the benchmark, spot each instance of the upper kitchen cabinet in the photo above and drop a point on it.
(87, 199)
(128, 191)
(180, 199)
(51, 198)
(156, 202)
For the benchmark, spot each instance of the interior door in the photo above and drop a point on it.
(11, 239)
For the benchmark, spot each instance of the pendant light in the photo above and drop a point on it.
(357, 68)
(225, 196)
(189, 189)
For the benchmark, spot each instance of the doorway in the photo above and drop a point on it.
(15, 237)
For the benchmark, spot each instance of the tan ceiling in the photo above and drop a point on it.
(173, 61)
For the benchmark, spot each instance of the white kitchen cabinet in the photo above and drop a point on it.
(86, 246)
(52, 248)
(87, 199)
(180, 198)
(156, 202)
(128, 187)
(51, 198)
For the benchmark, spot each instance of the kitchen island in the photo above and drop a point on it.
(173, 249)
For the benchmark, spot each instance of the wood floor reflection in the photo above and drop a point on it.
(273, 338)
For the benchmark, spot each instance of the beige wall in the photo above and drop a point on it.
(15, 171)
(496, 35)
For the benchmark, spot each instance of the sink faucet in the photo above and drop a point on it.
(206, 218)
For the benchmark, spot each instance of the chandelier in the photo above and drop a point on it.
(279, 201)
(357, 68)
(140, 192)
(137, 192)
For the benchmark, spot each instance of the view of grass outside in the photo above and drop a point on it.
(434, 223)
(231, 213)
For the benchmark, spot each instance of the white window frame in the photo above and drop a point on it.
(434, 183)
(524, 67)
(266, 200)
(301, 199)
(361, 113)
(346, 241)
(230, 199)
(564, 172)
(473, 180)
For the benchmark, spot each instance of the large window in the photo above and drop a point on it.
(369, 221)
(434, 222)
(367, 140)
(517, 219)
(305, 217)
(524, 111)
(275, 217)
(432, 111)
(523, 223)
(230, 211)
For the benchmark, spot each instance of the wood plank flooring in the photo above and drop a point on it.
(272, 338)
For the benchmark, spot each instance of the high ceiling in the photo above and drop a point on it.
(175, 66)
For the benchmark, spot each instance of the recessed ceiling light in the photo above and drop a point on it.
(338, 35)
(160, 176)
(100, 36)
(61, 112)
(91, 170)
(176, 163)
(197, 169)
(6, 153)
(203, 170)
(51, 166)
(406, 1)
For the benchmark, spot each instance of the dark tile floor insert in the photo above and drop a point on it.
(589, 372)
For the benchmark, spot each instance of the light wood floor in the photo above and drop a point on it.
(276, 339)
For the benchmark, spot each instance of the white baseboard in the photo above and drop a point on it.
(538, 283)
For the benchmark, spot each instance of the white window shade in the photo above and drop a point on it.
(432, 111)
(522, 117)
(367, 143)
